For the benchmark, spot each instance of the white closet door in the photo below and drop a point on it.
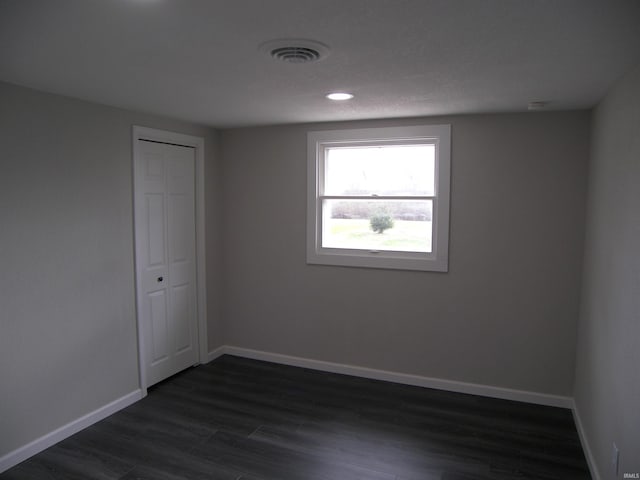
(165, 257)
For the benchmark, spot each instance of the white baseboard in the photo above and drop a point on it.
(591, 463)
(21, 454)
(213, 354)
(404, 378)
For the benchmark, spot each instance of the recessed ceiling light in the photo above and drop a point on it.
(339, 96)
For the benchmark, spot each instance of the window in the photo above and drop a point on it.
(379, 197)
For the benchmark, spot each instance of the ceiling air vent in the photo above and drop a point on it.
(295, 50)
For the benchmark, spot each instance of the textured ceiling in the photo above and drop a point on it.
(199, 60)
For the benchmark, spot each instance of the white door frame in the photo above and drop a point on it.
(145, 133)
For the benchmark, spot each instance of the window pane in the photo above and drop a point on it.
(380, 170)
(397, 225)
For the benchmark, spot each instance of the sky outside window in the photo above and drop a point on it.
(403, 170)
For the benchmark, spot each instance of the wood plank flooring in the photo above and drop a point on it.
(240, 419)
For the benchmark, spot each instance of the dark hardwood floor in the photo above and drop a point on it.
(243, 419)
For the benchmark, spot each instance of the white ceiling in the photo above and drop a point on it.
(199, 60)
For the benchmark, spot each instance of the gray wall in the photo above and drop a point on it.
(505, 315)
(67, 316)
(607, 390)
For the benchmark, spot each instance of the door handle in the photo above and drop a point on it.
(160, 279)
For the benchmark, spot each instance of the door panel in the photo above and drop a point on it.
(166, 252)
(155, 236)
(179, 211)
(159, 327)
(181, 305)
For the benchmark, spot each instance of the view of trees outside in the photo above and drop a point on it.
(347, 224)
(379, 224)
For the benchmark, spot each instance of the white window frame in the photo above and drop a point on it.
(318, 141)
